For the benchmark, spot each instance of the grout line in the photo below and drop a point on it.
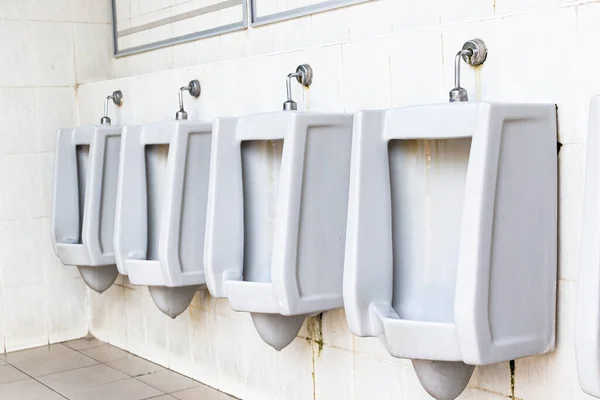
(379, 36)
(35, 379)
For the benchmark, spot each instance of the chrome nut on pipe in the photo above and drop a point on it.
(194, 88)
(303, 75)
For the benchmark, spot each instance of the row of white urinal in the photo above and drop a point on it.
(433, 226)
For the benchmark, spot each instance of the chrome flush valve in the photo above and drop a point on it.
(194, 88)
(303, 75)
(473, 53)
(117, 98)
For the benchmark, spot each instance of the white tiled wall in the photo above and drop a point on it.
(380, 54)
(46, 48)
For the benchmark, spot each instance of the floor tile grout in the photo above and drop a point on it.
(149, 384)
(35, 379)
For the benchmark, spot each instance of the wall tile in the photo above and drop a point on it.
(232, 355)
(67, 309)
(367, 74)
(550, 79)
(333, 366)
(154, 98)
(203, 351)
(588, 85)
(180, 342)
(493, 378)
(15, 9)
(45, 163)
(376, 11)
(571, 190)
(92, 11)
(326, 29)
(20, 196)
(93, 52)
(21, 253)
(53, 57)
(51, 10)
(25, 315)
(516, 6)
(377, 379)
(335, 330)
(17, 132)
(136, 334)
(418, 83)
(117, 313)
(263, 368)
(54, 108)
(16, 41)
(465, 10)
(295, 369)
(414, 15)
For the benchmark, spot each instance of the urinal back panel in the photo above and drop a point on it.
(261, 164)
(83, 211)
(427, 180)
(194, 202)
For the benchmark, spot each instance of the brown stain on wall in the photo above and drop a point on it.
(314, 326)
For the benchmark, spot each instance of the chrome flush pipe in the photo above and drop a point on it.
(194, 88)
(459, 93)
(117, 98)
(474, 52)
(303, 75)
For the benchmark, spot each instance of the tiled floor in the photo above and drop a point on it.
(88, 369)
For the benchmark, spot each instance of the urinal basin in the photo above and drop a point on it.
(161, 209)
(276, 217)
(84, 201)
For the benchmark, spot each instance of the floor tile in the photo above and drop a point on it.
(81, 379)
(84, 343)
(2, 362)
(9, 374)
(106, 353)
(52, 365)
(129, 389)
(164, 397)
(135, 366)
(28, 389)
(168, 381)
(37, 353)
(201, 392)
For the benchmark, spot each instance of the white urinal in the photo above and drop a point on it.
(161, 207)
(83, 209)
(452, 230)
(161, 210)
(276, 217)
(587, 323)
